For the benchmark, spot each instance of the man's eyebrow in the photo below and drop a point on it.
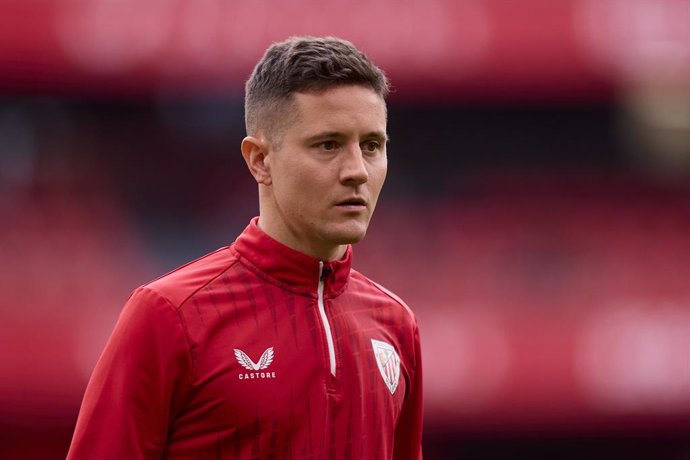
(325, 135)
(339, 135)
(378, 135)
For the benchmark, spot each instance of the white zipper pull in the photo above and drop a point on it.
(324, 318)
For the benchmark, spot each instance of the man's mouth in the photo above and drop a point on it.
(353, 202)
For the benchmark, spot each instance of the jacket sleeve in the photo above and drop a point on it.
(408, 432)
(137, 385)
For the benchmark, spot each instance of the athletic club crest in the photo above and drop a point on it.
(388, 362)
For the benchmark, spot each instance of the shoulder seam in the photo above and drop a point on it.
(148, 286)
(228, 267)
(176, 269)
(393, 296)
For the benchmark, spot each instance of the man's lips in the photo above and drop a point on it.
(352, 202)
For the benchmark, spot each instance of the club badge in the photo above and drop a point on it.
(388, 362)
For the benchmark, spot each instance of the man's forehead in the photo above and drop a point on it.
(340, 97)
(341, 105)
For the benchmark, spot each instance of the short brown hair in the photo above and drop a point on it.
(301, 64)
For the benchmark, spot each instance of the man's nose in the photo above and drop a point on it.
(354, 169)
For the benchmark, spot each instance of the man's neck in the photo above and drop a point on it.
(306, 247)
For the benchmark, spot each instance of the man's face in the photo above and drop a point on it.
(329, 168)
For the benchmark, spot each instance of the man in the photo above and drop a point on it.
(274, 347)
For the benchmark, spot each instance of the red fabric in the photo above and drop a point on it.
(170, 383)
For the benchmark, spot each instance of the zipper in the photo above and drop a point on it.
(324, 319)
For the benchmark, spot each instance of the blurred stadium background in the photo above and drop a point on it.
(536, 215)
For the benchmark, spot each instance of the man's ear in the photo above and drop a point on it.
(255, 153)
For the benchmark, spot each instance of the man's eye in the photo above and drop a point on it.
(371, 146)
(329, 145)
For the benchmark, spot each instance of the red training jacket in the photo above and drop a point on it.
(257, 351)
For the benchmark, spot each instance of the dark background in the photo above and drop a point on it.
(535, 215)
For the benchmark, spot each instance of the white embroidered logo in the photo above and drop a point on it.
(246, 362)
(265, 360)
(388, 362)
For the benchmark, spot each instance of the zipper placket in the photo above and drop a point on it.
(324, 320)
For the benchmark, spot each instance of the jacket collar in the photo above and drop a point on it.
(288, 268)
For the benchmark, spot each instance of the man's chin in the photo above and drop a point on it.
(352, 240)
(345, 231)
(350, 236)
